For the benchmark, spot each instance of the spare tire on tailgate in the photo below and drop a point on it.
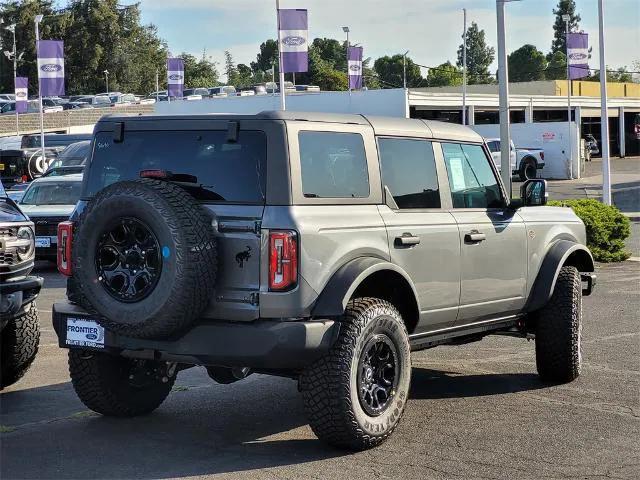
(144, 258)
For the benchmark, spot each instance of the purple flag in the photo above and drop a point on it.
(354, 64)
(22, 84)
(578, 55)
(293, 35)
(175, 76)
(51, 67)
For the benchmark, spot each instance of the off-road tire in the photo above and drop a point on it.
(559, 328)
(528, 169)
(102, 383)
(187, 278)
(19, 345)
(329, 386)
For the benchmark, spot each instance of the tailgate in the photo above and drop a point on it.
(237, 231)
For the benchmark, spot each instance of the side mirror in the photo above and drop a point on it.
(534, 193)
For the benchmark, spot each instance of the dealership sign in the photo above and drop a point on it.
(175, 77)
(578, 55)
(293, 33)
(21, 88)
(51, 67)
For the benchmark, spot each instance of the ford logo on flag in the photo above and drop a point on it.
(293, 41)
(354, 68)
(51, 67)
(578, 56)
(21, 95)
(175, 77)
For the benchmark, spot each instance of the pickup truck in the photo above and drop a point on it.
(525, 162)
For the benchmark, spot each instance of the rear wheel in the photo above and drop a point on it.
(118, 386)
(356, 394)
(559, 330)
(19, 345)
(528, 169)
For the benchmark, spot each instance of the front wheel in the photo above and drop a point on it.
(119, 387)
(355, 394)
(559, 330)
(19, 345)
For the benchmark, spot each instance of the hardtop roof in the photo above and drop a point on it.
(381, 125)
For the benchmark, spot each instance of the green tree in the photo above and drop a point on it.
(267, 57)
(479, 56)
(444, 75)
(557, 67)
(244, 76)
(564, 7)
(230, 67)
(619, 75)
(199, 73)
(527, 64)
(390, 72)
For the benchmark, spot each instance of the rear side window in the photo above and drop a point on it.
(409, 172)
(471, 179)
(219, 171)
(333, 165)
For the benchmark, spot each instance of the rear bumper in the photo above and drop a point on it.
(262, 344)
(15, 294)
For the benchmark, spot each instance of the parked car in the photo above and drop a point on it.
(75, 154)
(322, 247)
(307, 88)
(222, 91)
(16, 192)
(97, 101)
(19, 324)
(77, 105)
(592, 144)
(7, 97)
(195, 93)
(122, 99)
(49, 201)
(33, 106)
(54, 140)
(525, 162)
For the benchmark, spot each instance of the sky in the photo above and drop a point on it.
(430, 29)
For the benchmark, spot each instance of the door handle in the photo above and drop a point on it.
(474, 236)
(407, 240)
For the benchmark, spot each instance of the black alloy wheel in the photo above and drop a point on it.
(377, 374)
(128, 260)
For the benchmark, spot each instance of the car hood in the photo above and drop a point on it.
(9, 211)
(47, 210)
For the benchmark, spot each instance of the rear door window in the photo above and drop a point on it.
(210, 168)
(409, 172)
(333, 165)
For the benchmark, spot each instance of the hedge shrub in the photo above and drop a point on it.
(607, 228)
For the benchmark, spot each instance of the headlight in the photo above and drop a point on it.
(27, 247)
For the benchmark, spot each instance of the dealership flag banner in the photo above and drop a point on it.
(175, 76)
(294, 30)
(22, 83)
(51, 67)
(355, 68)
(578, 53)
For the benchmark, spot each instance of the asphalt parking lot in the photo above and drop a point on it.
(476, 411)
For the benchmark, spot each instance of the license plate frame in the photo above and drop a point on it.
(84, 332)
(43, 242)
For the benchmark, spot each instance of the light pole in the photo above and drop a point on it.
(106, 80)
(464, 67)
(604, 112)
(566, 19)
(37, 21)
(14, 55)
(283, 104)
(503, 84)
(346, 30)
(404, 69)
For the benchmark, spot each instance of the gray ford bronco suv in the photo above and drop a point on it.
(19, 326)
(321, 247)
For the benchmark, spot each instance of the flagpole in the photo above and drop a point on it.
(604, 114)
(464, 68)
(566, 19)
(38, 19)
(283, 104)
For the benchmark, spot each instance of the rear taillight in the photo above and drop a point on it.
(65, 239)
(283, 260)
(541, 155)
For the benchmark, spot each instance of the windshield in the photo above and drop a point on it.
(74, 154)
(219, 171)
(52, 193)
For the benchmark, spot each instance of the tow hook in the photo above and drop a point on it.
(141, 372)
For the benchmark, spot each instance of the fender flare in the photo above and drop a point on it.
(338, 291)
(554, 260)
